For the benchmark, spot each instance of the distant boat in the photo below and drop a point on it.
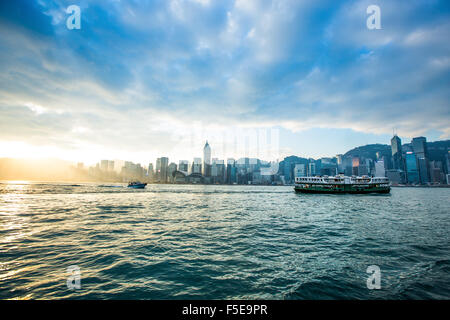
(136, 185)
(342, 184)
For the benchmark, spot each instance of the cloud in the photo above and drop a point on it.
(143, 75)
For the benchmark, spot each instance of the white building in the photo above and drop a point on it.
(379, 169)
(299, 170)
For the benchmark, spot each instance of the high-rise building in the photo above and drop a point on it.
(150, 172)
(300, 170)
(161, 169)
(172, 167)
(397, 156)
(196, 166)
(436, 173)
(379, 169)
(312, 168)
(104, 165)
(412, 173)
(419, 145)
(183, 166)
(340, 163)
(447, 161)
(231, 171)
(206, 160)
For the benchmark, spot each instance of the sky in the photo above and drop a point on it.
(268, 79)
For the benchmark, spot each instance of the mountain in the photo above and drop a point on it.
(436, 150)
(369, 151)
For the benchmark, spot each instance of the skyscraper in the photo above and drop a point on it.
(412, 174)
(161, 169)
(183, 166)
(230, 170)
(150, 172)
(397, 157)
(196, 166)
(380, 169)
(206, 160)
(170, 171)
(420, 149)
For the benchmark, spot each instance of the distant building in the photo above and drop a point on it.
(231, 171)
(312, 168)
(340, 163)
(104, 165)
(206, 160)
(355, 166)
(150, 172)
(436, 172)
(300, 170)
(396, 176)
(161, 169)
(363, 170)
(447, 161)
(170, 171)
(412, 172)
(196, 166)
(397, 156)
(380, 169)
(183, 166)
(419, 145)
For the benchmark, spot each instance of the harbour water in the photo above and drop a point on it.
(221, 242)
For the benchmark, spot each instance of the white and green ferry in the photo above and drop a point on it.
(342, 184)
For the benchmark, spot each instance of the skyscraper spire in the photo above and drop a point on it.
(206, 159)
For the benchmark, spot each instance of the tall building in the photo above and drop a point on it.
(150, 172)
(312, 168)
(104, 165)
(447, 161)
(340, 163)
(183, 166)
(161, 169)
(412, 173)
(397, 156)
(355, 166)
(419, 145)
(230, 166)
(196, 166)
(170, 171)
(379, 169)
(436, 172)
(300, 170)
(206, 160)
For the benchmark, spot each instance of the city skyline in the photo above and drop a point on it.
(416, 163)
(142, 79)
(407, 163)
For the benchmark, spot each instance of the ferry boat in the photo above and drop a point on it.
(342, 184)
(136, 185)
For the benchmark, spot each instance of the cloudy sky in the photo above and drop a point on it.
(143, 79)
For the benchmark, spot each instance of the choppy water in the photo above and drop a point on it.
(221, 242)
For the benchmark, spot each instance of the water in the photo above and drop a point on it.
(221, 242)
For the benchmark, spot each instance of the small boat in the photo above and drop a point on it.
(342, 184)
(136, 185)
